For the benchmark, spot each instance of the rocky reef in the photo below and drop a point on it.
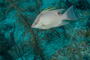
(18, 41)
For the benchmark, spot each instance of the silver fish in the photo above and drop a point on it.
(53, 18)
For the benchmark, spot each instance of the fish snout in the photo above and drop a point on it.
(32, 26)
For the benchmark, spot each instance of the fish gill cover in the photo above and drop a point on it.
(18, 41)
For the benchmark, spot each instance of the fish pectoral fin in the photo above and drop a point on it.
(43, 25)
(64, 23)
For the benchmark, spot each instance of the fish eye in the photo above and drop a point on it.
(58, 13)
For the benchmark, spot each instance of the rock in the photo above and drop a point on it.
(1, 58)
(80, 4)
(1, 1)
(5, 56)
(2, 15)
(88, 1)
(74, 1)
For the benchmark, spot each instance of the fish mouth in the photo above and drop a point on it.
(32, 26)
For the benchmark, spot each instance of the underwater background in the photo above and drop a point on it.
(18, 41)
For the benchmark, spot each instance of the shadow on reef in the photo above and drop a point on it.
(6, 56)
(88, 23)
(6, 44)
(80, 4)
(83, 4)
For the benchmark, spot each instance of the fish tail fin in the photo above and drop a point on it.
(69, 14)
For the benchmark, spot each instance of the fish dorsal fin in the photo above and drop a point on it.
(48, 9)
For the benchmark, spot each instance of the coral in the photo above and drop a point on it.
(21, 42)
